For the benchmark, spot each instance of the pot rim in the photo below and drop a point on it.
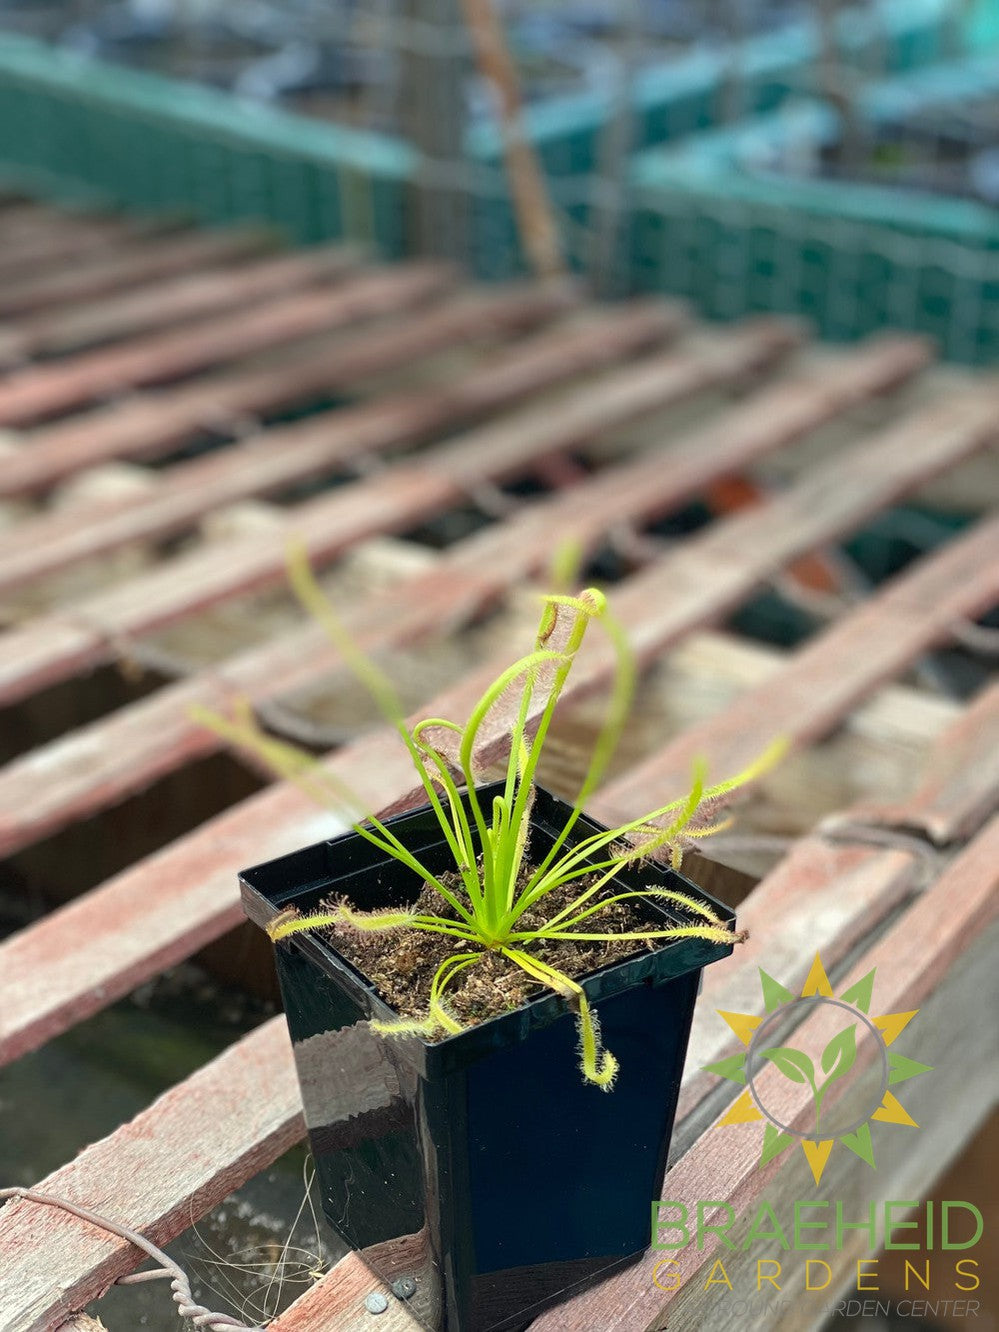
(673, 958)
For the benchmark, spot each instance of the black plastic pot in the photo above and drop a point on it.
(480, 1173)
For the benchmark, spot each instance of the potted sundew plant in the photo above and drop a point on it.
(490, 997)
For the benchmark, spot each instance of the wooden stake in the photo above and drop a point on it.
(535, 217)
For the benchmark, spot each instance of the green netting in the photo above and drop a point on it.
(88, 130)
(852, 257)
(671, 100)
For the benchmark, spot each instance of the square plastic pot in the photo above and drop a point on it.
(479, 1175)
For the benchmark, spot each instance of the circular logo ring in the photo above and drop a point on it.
(813, 1002)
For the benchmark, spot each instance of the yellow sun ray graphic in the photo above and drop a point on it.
(835, 1063)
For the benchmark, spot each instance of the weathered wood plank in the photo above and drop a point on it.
(961, 785)
(398, 497)
(722, 662)
(82, 1323)
(154, 422)
(912, 960)
(274, 459)
(63, 245)
(336, 1304)
(188, 297)
(850, 887)
(59, 386)
(76, 775)
(191, 882)
(52, 242)
(28, 221)
(144, 263)
(169, 1165)
(834, 670)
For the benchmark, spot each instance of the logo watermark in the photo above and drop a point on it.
(754, 1265)
(820, 1070)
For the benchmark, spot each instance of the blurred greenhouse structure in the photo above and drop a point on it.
(680, 143)
(414, 293)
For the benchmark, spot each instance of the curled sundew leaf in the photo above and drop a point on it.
(291, 922)
(278, 927)
(375, 921)
(442, 736)
(598, 1065)
(439, 1018)
(447, 972)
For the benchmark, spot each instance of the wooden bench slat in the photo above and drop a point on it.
(833, 671)
(722, 662)
(858, 883)
(336, 1304)
(400, 496)
(275, 459)
(96, 765)
(64, 244)
(141, 263)
(193, 880)
(868, 883)
(961, 786)
(152, 423)
(160, 304)
(167, 1167)
(26, 220)
(59, 386)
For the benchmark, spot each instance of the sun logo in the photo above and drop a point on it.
(838, 1118)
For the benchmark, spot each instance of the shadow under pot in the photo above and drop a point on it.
(479, 1175)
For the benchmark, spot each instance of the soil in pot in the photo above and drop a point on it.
(401, 964)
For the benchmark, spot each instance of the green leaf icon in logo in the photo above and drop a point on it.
(834, 1067)
(839, 1055)
(837, 1059)
(797, 1066)
(794, 1064)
